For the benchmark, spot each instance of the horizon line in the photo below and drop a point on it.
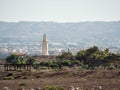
(62, 21)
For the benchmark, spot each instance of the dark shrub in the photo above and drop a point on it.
(22, 84)
(8, 78)
(10, 74)
(25, 77)
(18, 77)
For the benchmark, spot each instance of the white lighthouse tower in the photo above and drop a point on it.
(45, 45)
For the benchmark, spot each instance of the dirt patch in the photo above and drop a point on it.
(108, 80)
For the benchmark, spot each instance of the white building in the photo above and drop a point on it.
(45, 45)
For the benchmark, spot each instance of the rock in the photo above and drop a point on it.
(31, 89)
(38, 88)
(5, 88)
(77, 88)
(100, 87)
(95, 87)
(71, 88)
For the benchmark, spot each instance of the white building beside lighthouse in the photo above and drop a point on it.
(45, 45)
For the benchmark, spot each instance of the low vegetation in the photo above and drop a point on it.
(25, 77)
(92, 58)
(8, 78)
(10, 74)
(53, 88)
(22, 84)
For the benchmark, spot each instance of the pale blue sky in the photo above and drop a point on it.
(59, 10)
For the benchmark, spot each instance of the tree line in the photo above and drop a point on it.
(91, 58)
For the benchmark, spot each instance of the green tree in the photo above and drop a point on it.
(92, 56)
(66, 63)
(66, 55)
(19, 61)
(11, 58)
(81, 55)
(76, 62)
(107, 50)
(54, 65)
(46, 64)
(111, 58)
(92, 49)
(15, 59)
(31, 61)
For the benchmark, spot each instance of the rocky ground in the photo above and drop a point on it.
(84, 79)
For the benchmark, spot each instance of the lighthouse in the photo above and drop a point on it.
(45, 45)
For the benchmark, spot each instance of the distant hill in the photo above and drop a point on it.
(98, 33)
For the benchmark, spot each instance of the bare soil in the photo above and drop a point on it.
(85, 79)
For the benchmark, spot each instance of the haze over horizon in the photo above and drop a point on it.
(59, 10)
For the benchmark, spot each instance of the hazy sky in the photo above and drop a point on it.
(59, 10)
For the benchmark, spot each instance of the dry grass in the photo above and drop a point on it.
(109, 80)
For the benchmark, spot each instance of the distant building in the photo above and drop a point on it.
(19, 54)
(45, 45)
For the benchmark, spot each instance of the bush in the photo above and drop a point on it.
(111, 68)
(43, 68)
(94, 68)
(10, 74)
(38, 76)
(54, 66)
(23, 84)
(76, 62)
(85, 66)
(66, 55)
(8, 78)
(53, 88)
(25, 77)
(44, 64)
(66, 63)
(17, 77)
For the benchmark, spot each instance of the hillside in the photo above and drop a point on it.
(104, 34)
